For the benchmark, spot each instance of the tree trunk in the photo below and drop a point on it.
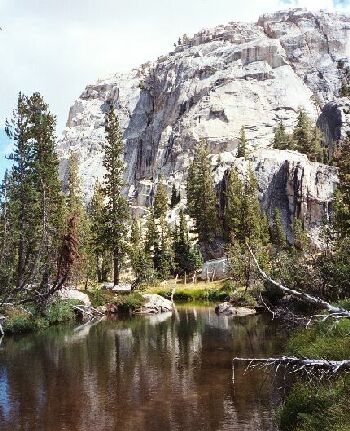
(314, 300)
(299, 364)
(115, 267)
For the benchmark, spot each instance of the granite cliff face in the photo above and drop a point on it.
(239, 74)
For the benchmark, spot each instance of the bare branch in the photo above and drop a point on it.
(335, 311)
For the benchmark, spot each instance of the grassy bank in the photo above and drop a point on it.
(21, 320)
(215, 291)
(315, 406)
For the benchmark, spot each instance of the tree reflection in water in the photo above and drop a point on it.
(167, 372)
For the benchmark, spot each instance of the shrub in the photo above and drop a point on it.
(61, 311)
(19, 323)
(243, 299)
(325, 340)
(272, 293)
(313, 408)
(100, 297)
(130, 302)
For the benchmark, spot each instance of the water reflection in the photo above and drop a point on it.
(168, 372)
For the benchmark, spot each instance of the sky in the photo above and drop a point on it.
(57, 47)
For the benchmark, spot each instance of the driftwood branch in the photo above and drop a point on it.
(334, 311)
(297, 364)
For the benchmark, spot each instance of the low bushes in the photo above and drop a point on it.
(319, 406)
(99, 297)
(326, 340)
(19, 321)
(311, 407)
(61, 311)
(130, 302)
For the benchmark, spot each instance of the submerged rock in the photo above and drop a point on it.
(155, 304)
(229, 309)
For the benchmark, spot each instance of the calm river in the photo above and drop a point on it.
(151, 373)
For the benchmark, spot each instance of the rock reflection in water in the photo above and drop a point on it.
(168, 372)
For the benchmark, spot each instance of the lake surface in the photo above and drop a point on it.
(166, 372)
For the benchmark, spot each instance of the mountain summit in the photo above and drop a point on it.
(240, 74)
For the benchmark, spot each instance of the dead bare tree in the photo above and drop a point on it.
(311, 366)
(314, 300)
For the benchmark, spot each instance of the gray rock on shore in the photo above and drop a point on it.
(229, 309)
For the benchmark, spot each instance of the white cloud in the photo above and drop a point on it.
(57, 47)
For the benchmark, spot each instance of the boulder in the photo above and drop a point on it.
(74, 294)
(229, 309)
(118, 288)
(155, 304)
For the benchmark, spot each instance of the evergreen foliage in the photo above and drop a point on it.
(242, 144)
(306, 138)
(83, 268)
(201, 195)
(32, 201)
(277, 233)
(160, 200)
(281, 140)
(245, 224)
(116, 211)
(96, 214)
(175, 196)
(187, 257)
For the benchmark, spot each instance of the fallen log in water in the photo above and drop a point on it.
(298, 364)
(314, 300)
(311, 367)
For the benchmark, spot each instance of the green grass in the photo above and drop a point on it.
(314, 408)
(216, 291)
(327, 340)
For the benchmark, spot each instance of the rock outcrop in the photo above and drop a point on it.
(287, 180)
(239, 74)
(76, 294)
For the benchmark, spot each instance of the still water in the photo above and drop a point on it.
(156, 373)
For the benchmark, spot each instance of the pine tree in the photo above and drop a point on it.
(186, 256)
(306, 138)
(281, 140)
(163, 258)
(234, 196)
(51, 206)
(249, 226)
(24, 193)
(242, 144)
(201, 196)
(116, 210)
(160, 200)
(341, 214)
(35, 200)
(140, 261)
(83, 267)
(7, 238)
(278, 235)
(175, 196)
(96, 213)
(301, 239)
